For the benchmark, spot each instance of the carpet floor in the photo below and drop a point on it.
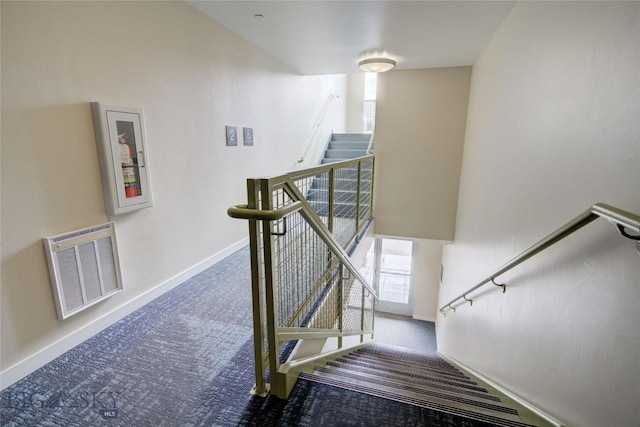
(186, 359)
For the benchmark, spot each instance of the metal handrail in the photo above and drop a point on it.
(244, 212)
(316, 170)
(332, 98)
(622, 219)
(369, 151)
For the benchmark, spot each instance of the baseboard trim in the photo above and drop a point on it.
(530, 406)
(425, 318)
(23, 368)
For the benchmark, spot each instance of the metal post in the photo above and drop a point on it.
(261, 388)
(373, 168)
(358, 189)
(341, 304)
(373, 317)
(331, 200)
(362, 310)
(277, 387)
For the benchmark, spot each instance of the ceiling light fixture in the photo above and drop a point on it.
(377, 65)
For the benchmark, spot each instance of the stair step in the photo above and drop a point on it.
(433, 362)
(425, 378)
(344, 153)
(497, 418)
(354, 166)
(349, 145)
(324, 161)
(351, 137)
(401, 353)
(409, 365)
(413, 382)
(400, 369)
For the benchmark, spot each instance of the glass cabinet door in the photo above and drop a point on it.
(121, 151)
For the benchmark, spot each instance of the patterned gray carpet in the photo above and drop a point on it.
(186, 359)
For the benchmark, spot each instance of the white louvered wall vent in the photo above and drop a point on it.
(84, 268)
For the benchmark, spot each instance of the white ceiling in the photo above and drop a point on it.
(327, 37)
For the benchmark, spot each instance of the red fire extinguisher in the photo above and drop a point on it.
(128, 168)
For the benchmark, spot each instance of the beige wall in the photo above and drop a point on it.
(355, 102)
(553, 128)
(426, 279)
(192, 77)
(420, 126)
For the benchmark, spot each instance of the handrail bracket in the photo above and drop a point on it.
(501, 285)
(623, 231)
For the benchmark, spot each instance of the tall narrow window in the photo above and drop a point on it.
(369, 107)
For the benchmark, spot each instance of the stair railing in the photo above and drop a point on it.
(304, 285)
(623, 220)
(370, 145)
(318, 126)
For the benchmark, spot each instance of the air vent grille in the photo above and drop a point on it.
(83, 267)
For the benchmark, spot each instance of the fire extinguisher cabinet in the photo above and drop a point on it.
(121, 144)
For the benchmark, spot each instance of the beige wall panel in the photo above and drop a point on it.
(420, 126)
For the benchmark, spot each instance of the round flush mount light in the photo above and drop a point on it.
(377, 65)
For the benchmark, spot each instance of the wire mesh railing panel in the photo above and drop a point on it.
(316, 190)
(366, 190)
(358, 307)
(305, 275)
(345, 204)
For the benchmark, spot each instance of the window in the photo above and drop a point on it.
(369, 107)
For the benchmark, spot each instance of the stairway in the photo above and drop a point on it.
(344, 146)
(424, 380)
(341, 147)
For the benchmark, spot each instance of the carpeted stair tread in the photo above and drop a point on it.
(408, 365)
(417, 392)
(403, 381)
(414, 378)
(401, 353)
(504, 420)
(407, 370)
(425, 380)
